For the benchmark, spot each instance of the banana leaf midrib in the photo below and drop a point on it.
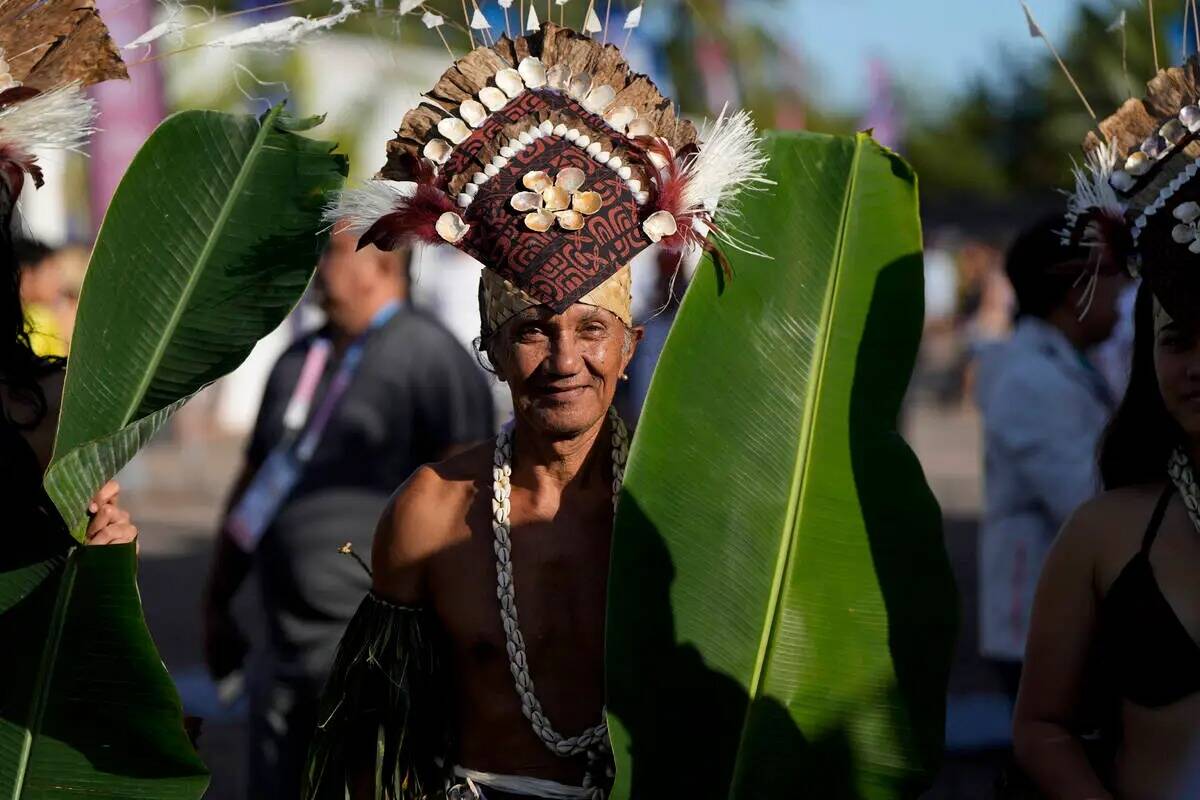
(41, 692)
(812, 401)
(265, 127)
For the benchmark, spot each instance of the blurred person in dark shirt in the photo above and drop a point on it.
(1044, 405)
(349, 412)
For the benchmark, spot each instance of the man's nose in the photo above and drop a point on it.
(564, 355)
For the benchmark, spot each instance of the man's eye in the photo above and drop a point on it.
(529, 334)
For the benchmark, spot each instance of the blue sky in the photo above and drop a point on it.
(939, 44)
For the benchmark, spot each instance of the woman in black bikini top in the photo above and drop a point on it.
(1118, 603)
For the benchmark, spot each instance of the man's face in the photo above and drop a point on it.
(1177, 364)
(344, 277)
(563, 369)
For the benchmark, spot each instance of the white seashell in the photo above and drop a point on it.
(558, 76)
(1182, 234)
(659, 225)
(640, 127)
(507, 152)
(437, 150)
(615, 162)
(587, 202)
(454, 129)
(569, 178)
(1121, 180)
(450, 226)
(556, 198)
(1155, 146)
(1138, 163)
(583, 141)
(594, 148)
(1194, 247)
(1173, 131)
(464, 199)
(657, 159)
(536, 181)
(532, 71)
(524, 138)
(619, 117)
(491, 171)
(516, 145)
(625, 173)
(526, 201)
(572, 135)
(560, 129)
(479, 178)
(471, 188)
(569, 220)
(641, 198)
(634, 185)
(599, 99)
(1190, 117)
(493, 98)
(500, 161)
(546, 128)
(1187, 212)
(579, 86)
(539, 221)
(473, 113)
(510, 82)
(603, 156)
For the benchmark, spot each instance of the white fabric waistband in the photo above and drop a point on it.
(517, 784)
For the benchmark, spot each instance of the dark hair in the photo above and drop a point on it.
(20, 367)
(1037, 265)
(1139, 438)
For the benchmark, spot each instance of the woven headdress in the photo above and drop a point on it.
(553, 164)
(49, 51)
(1138, 196)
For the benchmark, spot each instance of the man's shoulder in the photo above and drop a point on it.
(426, 514)
(416, 326)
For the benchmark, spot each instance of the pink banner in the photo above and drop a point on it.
(129, 110)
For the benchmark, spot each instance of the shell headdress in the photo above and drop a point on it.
(54, 48)
(1137, 198)
(549, 161)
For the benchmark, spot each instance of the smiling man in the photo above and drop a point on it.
(565, 167)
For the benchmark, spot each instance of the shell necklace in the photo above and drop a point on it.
(1180, 470)
(594, 739)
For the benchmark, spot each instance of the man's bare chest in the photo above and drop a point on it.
(560, 574)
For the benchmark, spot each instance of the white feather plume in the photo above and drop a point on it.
(731, 160)
(60, 119)
(355, 210)
(1093, 192)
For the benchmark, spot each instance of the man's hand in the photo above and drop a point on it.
(109, 523)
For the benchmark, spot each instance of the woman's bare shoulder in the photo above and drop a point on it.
(1112, 523)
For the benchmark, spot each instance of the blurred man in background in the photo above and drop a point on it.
(1044, 406)
(41, 294)
(349, 412)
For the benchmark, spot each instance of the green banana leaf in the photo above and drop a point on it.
(170, 307)
(781, 609)
(210, 240)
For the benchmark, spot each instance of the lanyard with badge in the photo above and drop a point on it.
(302, 430)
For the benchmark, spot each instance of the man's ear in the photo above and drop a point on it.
(637, 333)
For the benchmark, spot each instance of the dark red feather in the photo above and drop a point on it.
(413, 219)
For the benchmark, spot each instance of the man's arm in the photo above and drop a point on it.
(406, 536)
